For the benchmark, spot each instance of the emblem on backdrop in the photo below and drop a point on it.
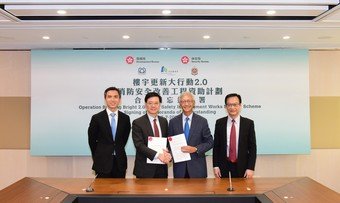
(185, 59)
(141, 70)
(194, 71)
(129, 60)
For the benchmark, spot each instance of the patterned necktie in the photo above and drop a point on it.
(186, 128)
(232, 147)
(113, 125)
(155, 127)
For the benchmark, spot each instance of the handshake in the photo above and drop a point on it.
(165, 157)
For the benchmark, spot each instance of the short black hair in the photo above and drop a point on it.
(153, 94)
(110, 89)
(233, 95)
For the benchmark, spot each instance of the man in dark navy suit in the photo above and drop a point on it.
(198, 135)
(107, 135)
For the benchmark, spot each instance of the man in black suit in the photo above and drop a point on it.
(240, 159)
(143, 127)
(107, 135)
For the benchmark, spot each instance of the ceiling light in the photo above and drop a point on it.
(46, 37)
(164, 48)
(206, 37)
(126, 37)
(166, 12)
(286, 37)
(271, 12)
(61, 12)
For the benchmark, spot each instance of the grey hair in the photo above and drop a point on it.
(184, 94)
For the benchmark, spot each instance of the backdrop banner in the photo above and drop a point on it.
(68, 88)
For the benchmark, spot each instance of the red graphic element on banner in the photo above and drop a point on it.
(150, 138)
(185, 59)
(129, 60)
(170, 139)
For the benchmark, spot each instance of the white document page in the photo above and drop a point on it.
(157, 144)
(176, 142)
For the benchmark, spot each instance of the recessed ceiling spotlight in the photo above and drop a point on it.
(206, 37)
(61, 12)
(286, 37)
(46, 37)
(126, 37)
(271, 12)
(166, 12)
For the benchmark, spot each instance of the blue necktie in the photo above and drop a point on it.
(186, 128)
(113, 125)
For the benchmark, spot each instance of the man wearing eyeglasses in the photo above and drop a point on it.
(198, 135)
(234, 142)
(150, 125)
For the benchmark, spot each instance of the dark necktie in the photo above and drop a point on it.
(113, 125)
(232, 147)
(186, 128)
(155, 127)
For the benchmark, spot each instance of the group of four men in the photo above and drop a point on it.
(234, 142)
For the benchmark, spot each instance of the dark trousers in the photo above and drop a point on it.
(115, 172)
(186, 172)
(232, 167)
(161, 171)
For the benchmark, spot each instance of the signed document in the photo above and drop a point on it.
(157, 144)
(176, 142)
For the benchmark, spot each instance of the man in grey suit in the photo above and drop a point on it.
(143, 127)
(243, 162)
(199, 139)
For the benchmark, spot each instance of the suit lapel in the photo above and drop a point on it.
(241, 131)
(119, 125)
(224, 131)
(149, 130)
(163, 127)
(180, 124)
(106, 123)
(192, 126)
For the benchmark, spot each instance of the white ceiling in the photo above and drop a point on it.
(312, 24)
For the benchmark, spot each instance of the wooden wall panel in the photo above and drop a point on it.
(15, 122)
(324, 73)
(325, 122)
(15, 73)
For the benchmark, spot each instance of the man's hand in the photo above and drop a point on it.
(165, 157)
(249, 173)
(188, 149)
(217, 172)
